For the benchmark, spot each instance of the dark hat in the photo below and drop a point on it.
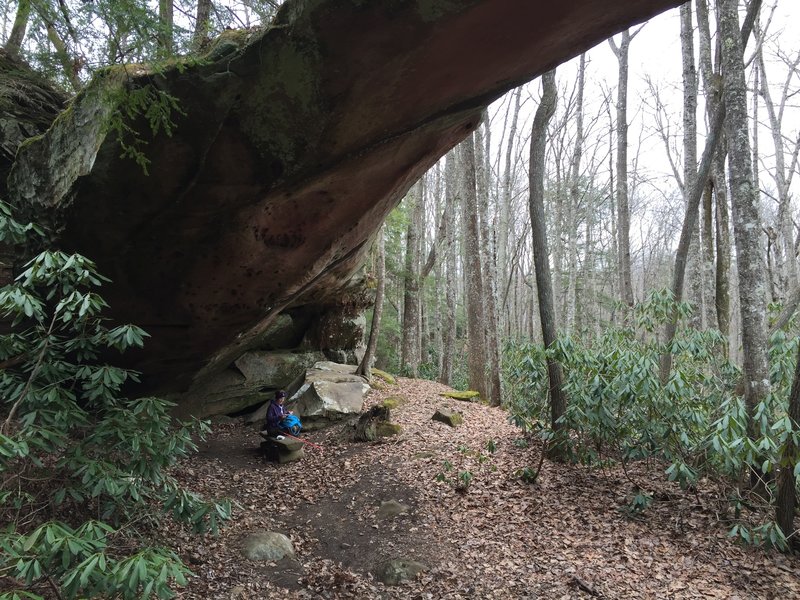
(280, 394)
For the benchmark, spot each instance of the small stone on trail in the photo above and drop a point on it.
(399, 570)
(392, 508)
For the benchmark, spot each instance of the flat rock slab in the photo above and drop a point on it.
(395, 572)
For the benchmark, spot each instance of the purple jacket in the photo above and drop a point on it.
(275, 414)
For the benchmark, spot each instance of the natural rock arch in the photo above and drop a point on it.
(294, 144)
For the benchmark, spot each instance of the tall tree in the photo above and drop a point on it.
(574, 199)
(411, 349)
(488, 268)
(746, 218)
(541, 253)
(623, 206)
(377, 310)
(473, 279)
(712, 84)
(452, 210)
(15, 38)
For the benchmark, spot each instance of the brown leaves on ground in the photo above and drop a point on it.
(491, 535)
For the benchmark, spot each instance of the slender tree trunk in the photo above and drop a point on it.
(17, 35)
(202, 24)
(166, 34)
(377, 311)
(449, 329)
(746, 219)
(476, 357)
(504, 223)
(712, 85)
(690, 158)
(410, 349)
(541, 253)
(574, 198)
(692, 208)
(488, 270)
(623, 207)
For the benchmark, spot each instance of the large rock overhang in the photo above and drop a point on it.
(294, 144)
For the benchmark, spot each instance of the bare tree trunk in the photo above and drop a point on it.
(541, 253)
(17, 35)
(166, 34)
(488, 270)
(476, 357)
(574, 197)
(746, 219)
(202, 24)
(713, 90)
(623, 207)
(692, 208)
(377, 311)
(410, 349)
(449, 330)
(690, 158)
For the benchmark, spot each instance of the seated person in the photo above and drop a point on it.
(279, 420)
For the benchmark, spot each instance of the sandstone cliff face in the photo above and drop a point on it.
(289, 148)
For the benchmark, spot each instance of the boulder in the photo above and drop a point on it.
(328, 392)
(448, 417)
(267, 545)
(252, 380)
(275, 370)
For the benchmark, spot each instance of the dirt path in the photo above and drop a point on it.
(562, 537)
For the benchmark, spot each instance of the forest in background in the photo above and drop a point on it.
(613, 258)
(666, 281)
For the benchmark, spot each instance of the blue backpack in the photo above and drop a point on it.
(291, 424)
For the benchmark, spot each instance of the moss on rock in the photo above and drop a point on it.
(466, 396)
(384, 376)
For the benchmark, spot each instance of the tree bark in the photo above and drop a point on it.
(488, 269)
(410, 349)
(541, 253)
(746, 218)
(692, 208)
(574, 197)
(377, 310)
(166, 34)
(202, 24)
(476, 353)
(15, 38)
(452, 209)
(713, 91)
(623, 206)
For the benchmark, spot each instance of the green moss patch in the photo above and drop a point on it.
(393, 402)
(466, 396)
(386, 429)
(384, 375)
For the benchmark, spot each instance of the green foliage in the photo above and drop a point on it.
(619, 410)
(461, 474)
(85, 470)
(154, 106)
